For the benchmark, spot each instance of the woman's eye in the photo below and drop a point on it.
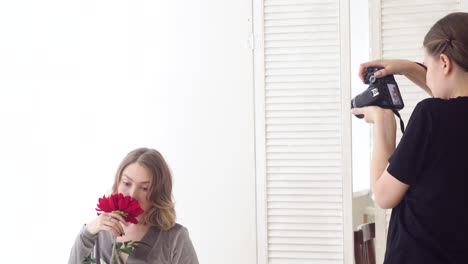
(145, 189)
(126, 183)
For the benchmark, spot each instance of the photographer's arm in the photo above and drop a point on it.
(388, 191)
(415, 72)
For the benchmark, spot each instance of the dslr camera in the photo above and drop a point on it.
(381, 92)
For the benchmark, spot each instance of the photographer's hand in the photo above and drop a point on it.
(410, 69)
(388, 191)
(375, 114)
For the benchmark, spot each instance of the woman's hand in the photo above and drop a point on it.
(110, 222)
(390, 67)
(375, 114)
(410, 69)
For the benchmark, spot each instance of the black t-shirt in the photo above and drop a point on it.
(430, 225)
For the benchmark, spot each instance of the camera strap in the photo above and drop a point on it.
(402, 125)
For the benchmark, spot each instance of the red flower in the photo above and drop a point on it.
(125, 206)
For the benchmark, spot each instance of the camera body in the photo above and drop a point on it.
(382, 92)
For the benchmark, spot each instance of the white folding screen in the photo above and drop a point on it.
(303, 131)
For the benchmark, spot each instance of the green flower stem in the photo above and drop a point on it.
(114, 251)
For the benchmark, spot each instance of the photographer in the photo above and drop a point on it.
(425, 178)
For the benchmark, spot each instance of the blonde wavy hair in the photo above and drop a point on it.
(161, 213)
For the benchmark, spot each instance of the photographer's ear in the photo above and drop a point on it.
(446, 63)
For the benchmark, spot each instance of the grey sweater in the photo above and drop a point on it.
(172, 246)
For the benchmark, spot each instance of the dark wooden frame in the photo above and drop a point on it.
(364, 248)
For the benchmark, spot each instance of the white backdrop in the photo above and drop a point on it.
(84, 82)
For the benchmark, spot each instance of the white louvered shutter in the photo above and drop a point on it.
(303, 132)
(397, 31)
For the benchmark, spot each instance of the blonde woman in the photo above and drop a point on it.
(144, 175)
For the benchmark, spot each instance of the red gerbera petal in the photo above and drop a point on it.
(123, 203)
(132, 206)
(118, 202)
(113, 202)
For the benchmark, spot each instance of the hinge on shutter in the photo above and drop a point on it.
(251, 41)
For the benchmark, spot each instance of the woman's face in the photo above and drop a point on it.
(135, 181)
(435, 77)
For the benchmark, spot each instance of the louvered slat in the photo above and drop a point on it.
(303, 131)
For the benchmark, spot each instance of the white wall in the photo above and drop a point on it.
(84, 82)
